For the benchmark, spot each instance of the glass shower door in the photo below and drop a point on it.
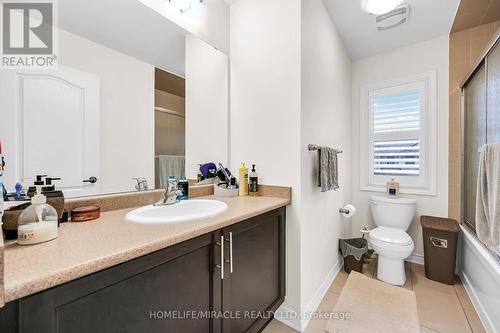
(493, 95)
(475, 138)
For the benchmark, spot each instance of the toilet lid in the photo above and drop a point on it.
(391, 235)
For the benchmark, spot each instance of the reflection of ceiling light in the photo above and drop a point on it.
(378, 7)
(182, 5)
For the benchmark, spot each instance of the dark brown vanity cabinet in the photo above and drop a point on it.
(254, 281)
(183, 288)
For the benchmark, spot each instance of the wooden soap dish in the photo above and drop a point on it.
(85, 213)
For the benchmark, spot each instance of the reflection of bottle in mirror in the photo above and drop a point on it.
(253, 182)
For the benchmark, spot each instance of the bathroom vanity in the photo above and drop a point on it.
(128, 122)
(227, 279)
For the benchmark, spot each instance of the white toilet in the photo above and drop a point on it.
(389, 239)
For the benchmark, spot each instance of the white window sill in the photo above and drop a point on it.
(402, 189)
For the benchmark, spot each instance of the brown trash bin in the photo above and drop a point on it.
(440, 248)
(352, 264)
(350, 249)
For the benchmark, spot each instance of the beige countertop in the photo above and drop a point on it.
(88, 247)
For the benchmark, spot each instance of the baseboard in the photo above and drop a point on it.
(298, 323)
(416, 259)
(288, 317)
(485, 319)
(313, 304)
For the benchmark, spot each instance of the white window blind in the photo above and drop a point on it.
(398, 134)
(398, 116)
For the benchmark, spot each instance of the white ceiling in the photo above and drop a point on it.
(129, 27)
(428, 19)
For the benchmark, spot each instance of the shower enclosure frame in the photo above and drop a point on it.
(482, 63)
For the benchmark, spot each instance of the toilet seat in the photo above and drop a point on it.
(390, 236)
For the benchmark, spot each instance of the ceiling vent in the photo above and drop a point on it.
(393, 18)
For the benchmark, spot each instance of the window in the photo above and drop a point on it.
(398, 139)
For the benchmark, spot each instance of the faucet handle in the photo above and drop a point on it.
(142, 183)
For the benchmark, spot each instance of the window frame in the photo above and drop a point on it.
(425, 183)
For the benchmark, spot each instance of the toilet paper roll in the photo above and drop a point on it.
(349, 211)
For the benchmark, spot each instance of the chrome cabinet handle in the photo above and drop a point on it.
(230, 261)
(221, 266)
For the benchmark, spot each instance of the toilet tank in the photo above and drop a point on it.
(394, 213)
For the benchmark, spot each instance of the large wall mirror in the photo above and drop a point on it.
(134, 96)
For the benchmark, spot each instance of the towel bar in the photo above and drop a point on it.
(316, 147)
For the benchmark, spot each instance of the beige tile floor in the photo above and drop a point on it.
(441, 308)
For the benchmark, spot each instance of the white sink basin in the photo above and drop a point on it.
(183, 211)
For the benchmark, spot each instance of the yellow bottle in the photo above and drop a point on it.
(243, 189)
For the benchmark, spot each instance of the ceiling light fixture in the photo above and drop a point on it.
(393, 18)
(378, 7)
(182, 5)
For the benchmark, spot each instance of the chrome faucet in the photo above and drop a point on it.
(171, 196)
(142, 184)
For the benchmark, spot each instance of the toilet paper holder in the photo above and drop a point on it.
(347, 211)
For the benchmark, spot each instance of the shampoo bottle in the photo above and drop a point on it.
(243, 190)
(253, 182)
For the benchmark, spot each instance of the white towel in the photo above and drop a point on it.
(170, 165)
(488, 197)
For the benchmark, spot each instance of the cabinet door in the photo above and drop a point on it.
(148, 294)
(255, 285)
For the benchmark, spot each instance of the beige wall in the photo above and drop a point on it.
(265, 107)
(466, 47)
(418, 58)
(325, 120)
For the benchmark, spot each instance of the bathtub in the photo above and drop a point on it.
(479, 271)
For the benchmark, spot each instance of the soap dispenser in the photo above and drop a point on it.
(38, 222)
(253, 180)
(392, 189)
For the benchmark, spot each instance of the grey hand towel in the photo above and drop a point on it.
(328, 169)
(488, 197)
